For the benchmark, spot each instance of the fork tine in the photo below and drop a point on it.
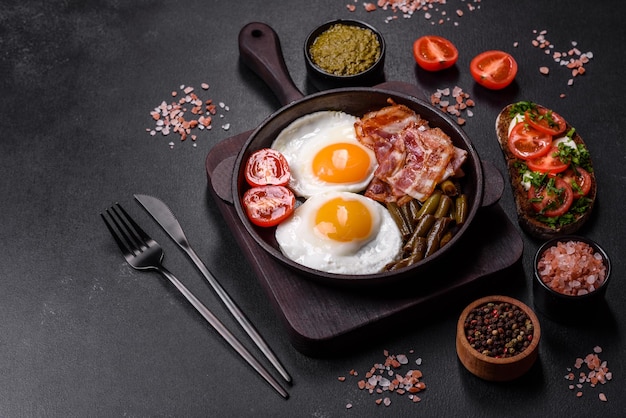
(116, 235)
(140, 233)
(129, 236)
(133, 243)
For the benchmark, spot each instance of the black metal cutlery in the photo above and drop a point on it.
(143, 253)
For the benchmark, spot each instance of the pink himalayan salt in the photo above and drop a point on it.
(572, 268)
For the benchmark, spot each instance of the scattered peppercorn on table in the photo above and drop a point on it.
(104, 100)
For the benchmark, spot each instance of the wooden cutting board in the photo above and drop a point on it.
(322, 319)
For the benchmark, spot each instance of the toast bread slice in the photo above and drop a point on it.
(526, 215)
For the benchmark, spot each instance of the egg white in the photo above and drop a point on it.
(299, 242)
(303, 138)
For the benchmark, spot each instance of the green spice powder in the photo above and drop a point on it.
(345, 50)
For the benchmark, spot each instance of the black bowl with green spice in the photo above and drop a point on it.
(345, 53)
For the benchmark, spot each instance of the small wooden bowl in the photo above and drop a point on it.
(492, 368)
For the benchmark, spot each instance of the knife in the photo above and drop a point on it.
(164, 217)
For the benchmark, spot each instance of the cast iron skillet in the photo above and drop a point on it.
(259, 48)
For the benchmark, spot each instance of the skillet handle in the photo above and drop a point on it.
(259, 49)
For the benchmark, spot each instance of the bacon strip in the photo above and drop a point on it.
(412, 157)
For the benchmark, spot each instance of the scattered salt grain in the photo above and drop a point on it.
(573, 59)
(409, 8)
(173, 117)
(454, 101)
(594, 372)
(375, 381)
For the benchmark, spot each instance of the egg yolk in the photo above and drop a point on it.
(343, 220)
(341, 163)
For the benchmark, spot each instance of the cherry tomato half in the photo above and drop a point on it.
(579, 179)
(549, 163)
(545, 120)
(493, 69)
(434, 53)
(526, 142)
(552, 201)
(267, 166)
(268, 205)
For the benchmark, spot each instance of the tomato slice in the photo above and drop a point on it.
(580, 181)
(268, 205)
(549, 163)
(545, 120)
(434, 53)
(526, 142)
(493, 69)
(553, 199)
(267, 166)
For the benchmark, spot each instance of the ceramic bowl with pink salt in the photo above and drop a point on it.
(571, 275)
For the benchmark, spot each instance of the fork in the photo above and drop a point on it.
(144, 253)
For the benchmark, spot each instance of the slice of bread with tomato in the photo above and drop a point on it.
(549, 167)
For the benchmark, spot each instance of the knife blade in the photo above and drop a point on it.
(163, 215)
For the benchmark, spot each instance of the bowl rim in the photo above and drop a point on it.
(351, 22)
(564, 238)
(530, 350)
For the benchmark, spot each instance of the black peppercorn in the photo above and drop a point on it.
(498, 329)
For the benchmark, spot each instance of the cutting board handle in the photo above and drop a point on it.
(259, 49)
(493, 184)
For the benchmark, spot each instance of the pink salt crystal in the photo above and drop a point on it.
(402, 359)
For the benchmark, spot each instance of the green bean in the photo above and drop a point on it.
(414, 208)
(406, 214)
(448, 188)
(444, 207)
(431, 204)
(405, 262)
(436, 233)
(397, 265)
(424, 225)
(446, 238)
(398, 217)
(419, 248)
(421, 230)
(460, 213)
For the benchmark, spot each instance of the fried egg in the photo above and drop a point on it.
(324, 154)
(340, 232)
